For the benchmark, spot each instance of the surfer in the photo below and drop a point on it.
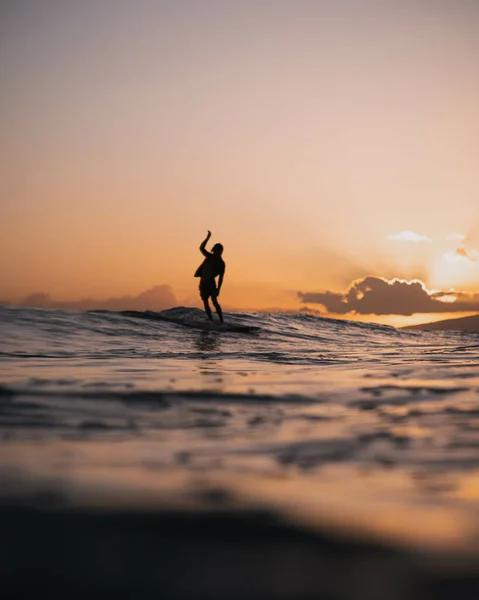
(213, 266)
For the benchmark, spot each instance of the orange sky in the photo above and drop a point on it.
(308, 136)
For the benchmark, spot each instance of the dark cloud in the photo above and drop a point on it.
(158, 297)
(377, 296)
(39, 300)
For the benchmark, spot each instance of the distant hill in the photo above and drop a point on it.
(462, 324)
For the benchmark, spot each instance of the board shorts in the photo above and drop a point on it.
(208, 288)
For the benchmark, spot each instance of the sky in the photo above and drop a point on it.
(332, 147)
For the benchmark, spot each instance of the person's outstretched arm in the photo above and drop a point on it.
(203, 249)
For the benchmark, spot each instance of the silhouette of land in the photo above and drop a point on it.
(462, 324)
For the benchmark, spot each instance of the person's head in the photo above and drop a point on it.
(217, 249)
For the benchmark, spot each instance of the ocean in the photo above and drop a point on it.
(309, 457)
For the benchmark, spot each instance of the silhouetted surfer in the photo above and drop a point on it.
(213, 266)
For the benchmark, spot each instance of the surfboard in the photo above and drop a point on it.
(208, 326)
(183, 320)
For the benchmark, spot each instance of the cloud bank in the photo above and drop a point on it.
(158, 297)
(378, 296)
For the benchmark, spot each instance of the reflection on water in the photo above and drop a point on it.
(208, 344)
(207, 341)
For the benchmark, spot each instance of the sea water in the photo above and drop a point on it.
(357, 427)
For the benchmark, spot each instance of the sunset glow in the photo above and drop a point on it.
(324, 144)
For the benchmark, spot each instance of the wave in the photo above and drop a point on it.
(185, 333)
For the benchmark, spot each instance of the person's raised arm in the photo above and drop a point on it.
(203, 249)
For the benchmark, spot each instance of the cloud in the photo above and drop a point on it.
(158, 297)
(461, 254)
(39, 300)
(378, 296)
(409, 236)
(458, 237)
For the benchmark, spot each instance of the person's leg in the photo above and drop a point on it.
(204, 295)
(207, 308)
(214, 299)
